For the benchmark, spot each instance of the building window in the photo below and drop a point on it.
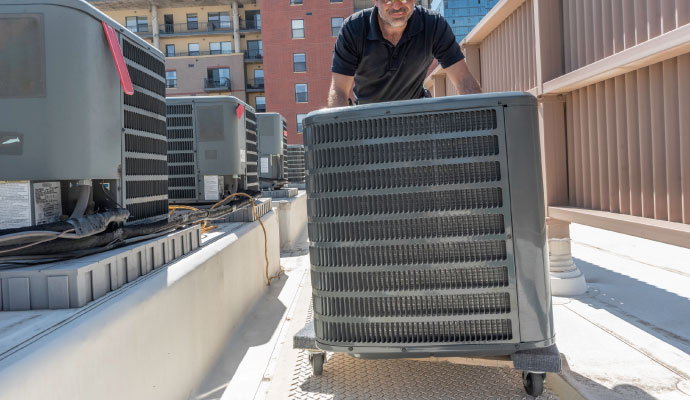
(137, 24)
(193, 49)
(259, 78)
(218, 20)
(252, 19)
(254, 49)
(170, 50)
(218, 78)
(301, 95)
(220, 47)
(299, 62)
(297, 28)
(260, 104)
(192, 21)
(336, 23)
(171, 79)
(295, 2)
(168, 25)
(336, 1)
(300, 117)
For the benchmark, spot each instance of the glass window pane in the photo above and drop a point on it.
(170, 50)
(193, 49)
(336, 23)
(297, 28)
(226, 47)
(299, 62)
(300, 118)
(301, 95)
(192, 21)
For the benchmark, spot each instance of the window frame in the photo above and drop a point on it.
(167, 53)
(189, 50)
(167, 80)
(333, 33)
(305, 92)
(297, 30)
(300, 126)
(296, 63)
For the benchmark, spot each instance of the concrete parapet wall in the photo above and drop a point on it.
(155, 338)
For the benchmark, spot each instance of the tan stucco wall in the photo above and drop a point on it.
(190, 79)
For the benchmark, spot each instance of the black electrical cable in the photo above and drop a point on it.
(63, 246)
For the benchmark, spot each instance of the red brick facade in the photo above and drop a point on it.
(279, 46)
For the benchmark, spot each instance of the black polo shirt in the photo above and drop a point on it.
(384, 72)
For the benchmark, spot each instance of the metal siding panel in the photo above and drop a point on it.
(602, 147)
(622, 145)
(589, 32)
(682, 12)
(684, 131)
(628, 23)
(607, 27)
(597, 34)
(593, 141)
(646, 160)
(653, 18)
(577, 140)
(641, 34)
(568, 18)
(580, 40)
(656, 86)
(633, 143)
(612, 147)
(531, 55)
(668, 15)
(672, 138)
(572, 150)
(586, 170)
(617, 33)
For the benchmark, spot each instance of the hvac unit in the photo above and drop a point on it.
(211, 148)
(427, 229)
(295, 163)
(272, 133)
(71, 142)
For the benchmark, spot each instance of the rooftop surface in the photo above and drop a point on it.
(628, 337)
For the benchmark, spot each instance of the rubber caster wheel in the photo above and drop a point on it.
(316, 361)
(534, 383)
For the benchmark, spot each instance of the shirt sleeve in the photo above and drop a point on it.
(445, 48)
(346, 56)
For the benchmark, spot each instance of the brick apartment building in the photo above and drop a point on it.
(299, 37)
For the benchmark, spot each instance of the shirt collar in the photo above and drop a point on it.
(414, 25)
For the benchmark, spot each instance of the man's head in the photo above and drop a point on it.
(395, 13)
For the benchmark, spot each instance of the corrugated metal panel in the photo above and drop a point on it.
(508, 53)
(626, 137)
(596, 29)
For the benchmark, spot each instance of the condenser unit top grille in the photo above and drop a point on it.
(410, 223)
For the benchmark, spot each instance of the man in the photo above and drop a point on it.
(385, 52)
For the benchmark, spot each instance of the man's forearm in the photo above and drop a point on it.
(337, 98)
(468, 85)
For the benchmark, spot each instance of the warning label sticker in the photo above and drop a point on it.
(47, 202)
(264, 165)
(211, 191)
(243, 156)
(15, 204)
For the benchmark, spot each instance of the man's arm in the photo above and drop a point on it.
(341, 85)
(462, 78)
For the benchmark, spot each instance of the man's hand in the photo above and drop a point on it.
(341, 86)
(462, 78)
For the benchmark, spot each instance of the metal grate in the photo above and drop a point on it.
(470, 331)
(408, 280)
(409, 228)
(295, 163)
(432, 175)
(414, 306)
(145, 160)
(252, 151)
(181, 152)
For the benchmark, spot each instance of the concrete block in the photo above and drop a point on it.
(18, 294)
(58, 292)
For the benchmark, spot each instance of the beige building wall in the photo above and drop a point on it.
(191, 72)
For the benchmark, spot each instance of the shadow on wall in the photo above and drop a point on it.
(263, 318)
(649, 308)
